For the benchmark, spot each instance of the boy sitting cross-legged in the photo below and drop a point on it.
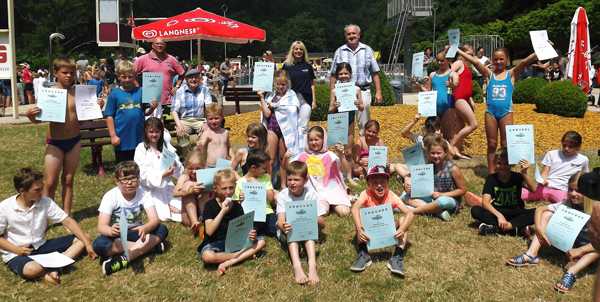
(125, 201)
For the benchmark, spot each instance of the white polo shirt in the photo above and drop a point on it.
(562, 168)
(27, 227)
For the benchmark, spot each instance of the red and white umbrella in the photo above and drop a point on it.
(198, 24)
(580, 68)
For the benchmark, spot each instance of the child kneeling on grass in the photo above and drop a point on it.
(24, 219)
(378, 193)
(127, 199)
(217, 214)
(297, 177)
(581, 255)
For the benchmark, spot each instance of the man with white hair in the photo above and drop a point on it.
(365, 69)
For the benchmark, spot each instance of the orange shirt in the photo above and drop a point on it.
(371, 201)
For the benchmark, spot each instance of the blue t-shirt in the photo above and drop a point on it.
(126, 109)
(98, 83)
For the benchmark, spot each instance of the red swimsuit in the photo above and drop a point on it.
(465, 85)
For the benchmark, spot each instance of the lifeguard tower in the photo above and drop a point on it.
(401, 13)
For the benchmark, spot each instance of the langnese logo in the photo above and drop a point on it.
(150, 34)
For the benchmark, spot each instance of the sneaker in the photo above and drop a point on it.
(396, 264)
(159, 248)
(487, 229)
(445, 216)
(114, 264)
(362, 262)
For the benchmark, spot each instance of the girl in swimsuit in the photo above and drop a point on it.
(499, 97)
(361, 148)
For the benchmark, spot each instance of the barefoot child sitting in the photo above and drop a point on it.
(191, 192)
(214, 141)
(24, 219)
(297, 177)
(378, 193)
(125, 201)
(580, 256)
(217, 214)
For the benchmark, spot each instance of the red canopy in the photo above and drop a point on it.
(199, 24)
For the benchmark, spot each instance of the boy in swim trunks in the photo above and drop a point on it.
(63, 139)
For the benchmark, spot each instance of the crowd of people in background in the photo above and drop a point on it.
(285, 155)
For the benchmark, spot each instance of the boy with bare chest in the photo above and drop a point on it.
(214, 141)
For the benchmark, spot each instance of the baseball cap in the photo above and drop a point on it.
(192, 72)
(141, 50)
(378, 170)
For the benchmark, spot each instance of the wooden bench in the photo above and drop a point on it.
(94, 134)
(240, 94)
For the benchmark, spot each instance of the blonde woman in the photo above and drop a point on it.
(302, 76)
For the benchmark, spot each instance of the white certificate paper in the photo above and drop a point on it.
(53, 103)
(454, 40)
(262, 79)
(52, 260)
(86, 103)
(541, 45)
(417, 64)
(520, 143)
(345, 93)
(427, 105)
(564, 227)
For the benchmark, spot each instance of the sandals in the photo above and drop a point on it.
(566, 283)
(523, 260)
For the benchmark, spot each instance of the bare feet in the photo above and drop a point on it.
(223, 267)
(52, 278)
(300, 276)
(313, 278)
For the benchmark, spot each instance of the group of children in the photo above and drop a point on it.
(282, 145)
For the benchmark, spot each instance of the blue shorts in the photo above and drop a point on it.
(215, 246)
(60, 244)
(5, 88)
(102, 244)
(446, 203)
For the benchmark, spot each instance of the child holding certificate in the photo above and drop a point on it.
(217, 214)
(502, 208)
(581, 255)
(325, 171)
(343, 74)
(24, 219)
(378, 193)
(257, 162)
(499, 96)
(558, 166)
(297, 176)
(361, 148)
(256, 139)
(124, 113)
(63, 146)
(448, 183)
(159, 164)
(126, 201)
(191, 192)
(214, 141)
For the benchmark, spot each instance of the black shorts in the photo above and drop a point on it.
(28, 87)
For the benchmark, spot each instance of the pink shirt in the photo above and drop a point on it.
(169, 67)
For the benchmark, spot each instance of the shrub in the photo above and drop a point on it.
(477, 92)
(526, 90)
(389, 97)
(322, 95)
(562, 98)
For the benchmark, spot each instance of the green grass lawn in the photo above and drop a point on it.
(445, 262)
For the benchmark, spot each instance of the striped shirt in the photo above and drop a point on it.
(190, 104)
(362, 60)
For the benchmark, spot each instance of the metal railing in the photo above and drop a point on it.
(488, 42)
(417, 8)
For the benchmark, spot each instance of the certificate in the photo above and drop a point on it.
(255, 200)
(237, 233)
(454, 41)
(421, 177)
(53, 103)
(427, 105)
(262, 78)
(564, 227)
(223, 163)
(541, 45)
(52, 260)
(520, 143)
(337, 128)
(152, 86)
(417, 64)
(345, 93)
(302, 215)
(86, 103)
(167, 158)
(413, 155)
(206, 177)
(377, 156)
(123, 230)
(379, 225)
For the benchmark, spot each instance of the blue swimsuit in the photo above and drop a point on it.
(499, 96)
(443, 101)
